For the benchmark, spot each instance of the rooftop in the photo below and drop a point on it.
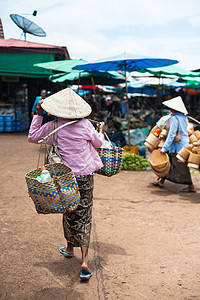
(20, 46)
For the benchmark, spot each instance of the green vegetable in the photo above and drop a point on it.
(134, 162)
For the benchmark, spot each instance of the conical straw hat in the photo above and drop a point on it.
(176, 104)
(67, 104)
(115, 98)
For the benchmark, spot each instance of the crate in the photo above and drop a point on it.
(4, 118)
(9, 129)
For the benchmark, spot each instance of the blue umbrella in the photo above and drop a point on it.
(125, 62)
(147, 90)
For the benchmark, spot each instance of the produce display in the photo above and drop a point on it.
(134, 162)
(131, 149)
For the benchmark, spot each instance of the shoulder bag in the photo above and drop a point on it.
(177, 138)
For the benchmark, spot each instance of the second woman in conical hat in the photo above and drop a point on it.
(76, 144)
(179, 172)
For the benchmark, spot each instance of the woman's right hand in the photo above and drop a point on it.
(101, 127)
(40, 110)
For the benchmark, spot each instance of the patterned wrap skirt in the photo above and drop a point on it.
(77, 224)
(179, 172)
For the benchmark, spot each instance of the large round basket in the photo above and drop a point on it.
(48, 197)
(158, 160)
(111, 159)
(161, 172)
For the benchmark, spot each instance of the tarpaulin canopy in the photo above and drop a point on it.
(172, 70)
(22, 64)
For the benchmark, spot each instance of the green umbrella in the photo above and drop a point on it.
(191, 81)
(61, 65)
(103, 78)
(172, 70)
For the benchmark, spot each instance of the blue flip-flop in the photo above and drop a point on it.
(68, 255)
(84, 276)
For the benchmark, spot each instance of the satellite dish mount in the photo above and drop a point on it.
(27, 25)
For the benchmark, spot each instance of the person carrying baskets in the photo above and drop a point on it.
(77, 145)
(179, 172)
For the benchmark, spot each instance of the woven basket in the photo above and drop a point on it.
(158, 160)
(161, 172)
(149, 146)
(197, 134)
(153, 140)
(183, 154)
(47, 197)
(193, 138)
(111, 159)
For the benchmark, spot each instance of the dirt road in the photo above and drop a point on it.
(145, 241)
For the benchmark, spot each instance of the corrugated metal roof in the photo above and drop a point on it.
(13, 45)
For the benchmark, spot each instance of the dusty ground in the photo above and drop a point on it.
(145, 242)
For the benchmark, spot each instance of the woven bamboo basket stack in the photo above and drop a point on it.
(159, 163)
(155, 140)
(191, 154)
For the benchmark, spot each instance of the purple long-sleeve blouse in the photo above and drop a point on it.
(76, 143)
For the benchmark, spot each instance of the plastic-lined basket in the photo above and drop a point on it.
(57, 195)
(111, 159)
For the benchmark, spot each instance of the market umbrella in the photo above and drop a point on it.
(143, 90)
(172, 70)
(61, 65)
(76, 76)
(125, 62)
(190, 81)
(102, 78)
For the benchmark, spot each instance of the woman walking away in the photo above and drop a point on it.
(179, 172)
(76, 144)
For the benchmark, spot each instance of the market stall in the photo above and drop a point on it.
(14, 114)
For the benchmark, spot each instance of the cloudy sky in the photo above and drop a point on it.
(94, 29)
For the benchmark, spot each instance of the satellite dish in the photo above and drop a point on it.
(27, 26)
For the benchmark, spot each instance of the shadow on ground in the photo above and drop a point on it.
(175, 189)
(57, 293)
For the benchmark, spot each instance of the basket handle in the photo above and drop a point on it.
(55, 130)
